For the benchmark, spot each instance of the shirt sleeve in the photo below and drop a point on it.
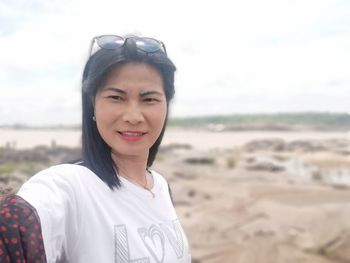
(52, 193)
(20, 232)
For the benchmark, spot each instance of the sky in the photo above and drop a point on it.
(232, 56)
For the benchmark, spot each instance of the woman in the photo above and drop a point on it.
(110, 207)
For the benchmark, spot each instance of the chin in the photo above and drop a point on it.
(130, 151)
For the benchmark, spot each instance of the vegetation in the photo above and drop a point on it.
(278, 121)
(17, 165)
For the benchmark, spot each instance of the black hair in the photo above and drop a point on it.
(96, 152)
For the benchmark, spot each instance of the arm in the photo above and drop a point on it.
(20, 232)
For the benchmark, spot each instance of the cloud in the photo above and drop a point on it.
(232, 56)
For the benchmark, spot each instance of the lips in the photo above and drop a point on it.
(131, 135)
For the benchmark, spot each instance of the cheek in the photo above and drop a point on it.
(104, 112)
(160, 114)
(162, 110)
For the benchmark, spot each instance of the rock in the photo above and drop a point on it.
(305, 146)
(265, 166)
(181, 175)
(200, 160)
(339, 249)
(265, 145)
(174, 147)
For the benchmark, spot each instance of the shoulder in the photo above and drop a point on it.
(62, 172)
(66, 169)
(63, 178)
(56, 193)
(161, 181)
(164, 185)
(158, 177)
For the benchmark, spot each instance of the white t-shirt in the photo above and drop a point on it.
(83, 221)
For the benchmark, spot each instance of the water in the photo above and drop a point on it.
(199, 138)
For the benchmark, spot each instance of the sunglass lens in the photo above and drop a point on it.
(110, 42)
(148, 44)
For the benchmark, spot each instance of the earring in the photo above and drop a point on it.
(93, 118)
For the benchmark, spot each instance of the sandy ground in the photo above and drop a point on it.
(282, 198)
(256, 216)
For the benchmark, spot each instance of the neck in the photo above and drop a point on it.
(134, 169)
(131, 166)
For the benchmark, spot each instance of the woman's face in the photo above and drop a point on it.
(130, 109)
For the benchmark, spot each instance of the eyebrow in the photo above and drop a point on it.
(142, 94)
(146, 93)
(115, 90)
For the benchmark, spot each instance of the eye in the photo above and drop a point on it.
(151, 100)
(116, 97)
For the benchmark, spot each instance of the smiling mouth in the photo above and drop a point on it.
(132, 133)
(131, 136)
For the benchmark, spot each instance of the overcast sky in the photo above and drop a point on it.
(232, 56)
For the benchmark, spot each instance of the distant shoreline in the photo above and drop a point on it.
(302, 121)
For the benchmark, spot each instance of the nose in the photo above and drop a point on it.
(133, 114)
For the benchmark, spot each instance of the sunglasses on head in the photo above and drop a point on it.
(110, 42)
